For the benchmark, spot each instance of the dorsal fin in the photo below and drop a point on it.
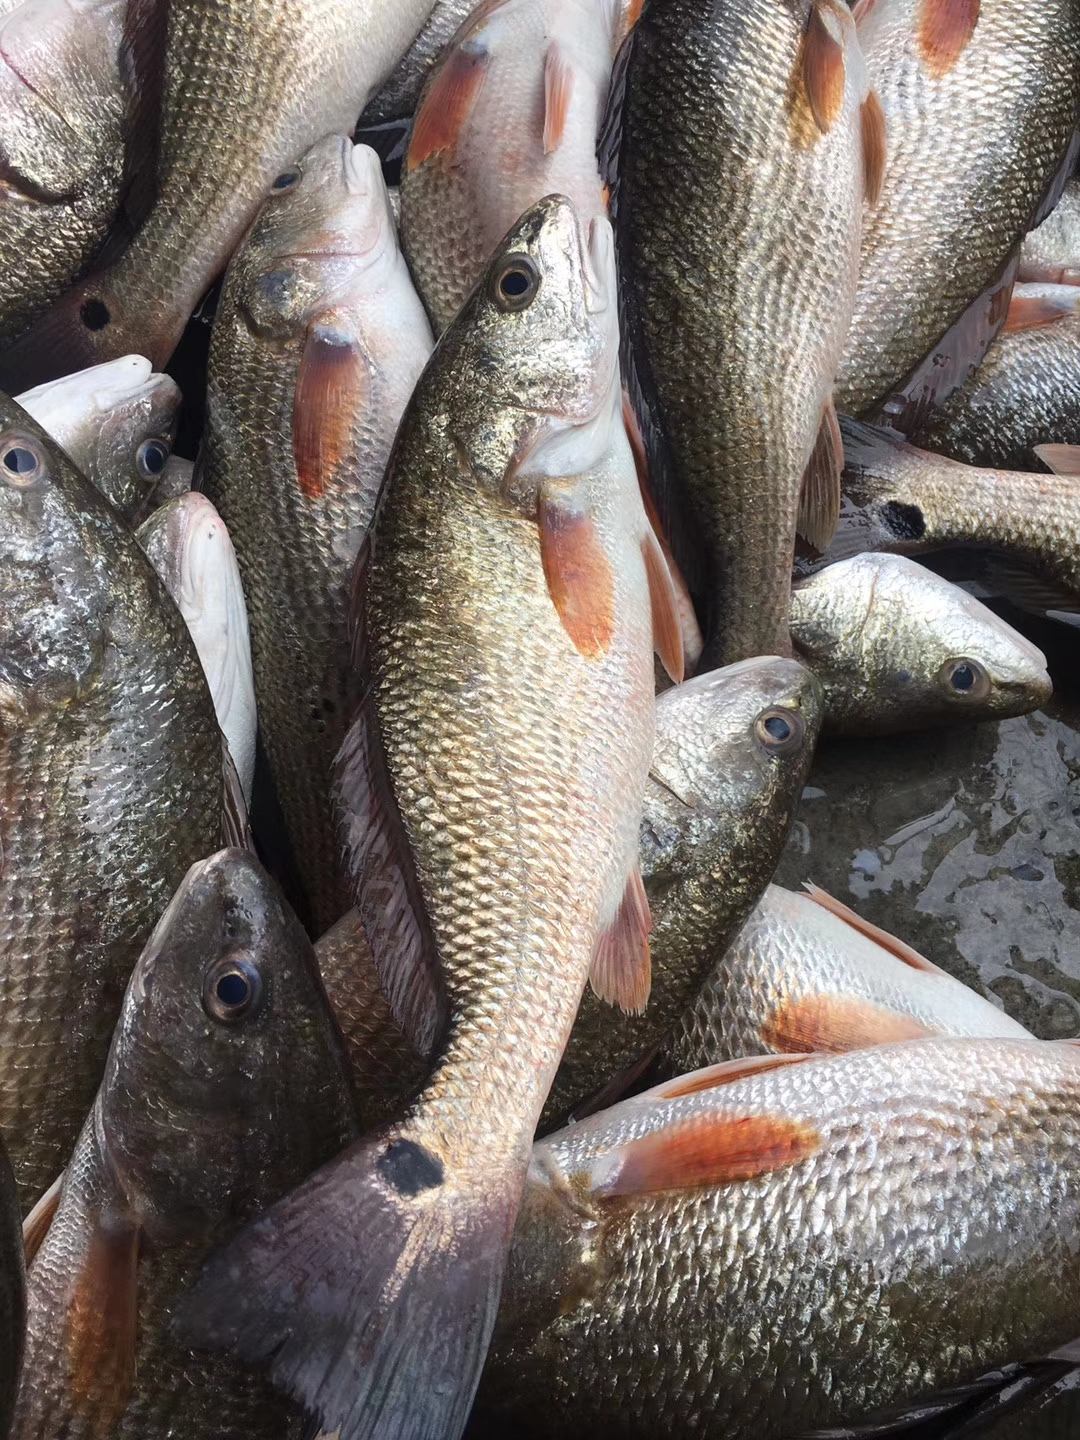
(894, 946)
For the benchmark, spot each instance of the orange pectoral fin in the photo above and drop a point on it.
(874, 137)
(558, 92)
(447, 104)
(944, 29)
(835, 1024)
(823, 68)
(100, 1329)
(578, 573)
(330, 387)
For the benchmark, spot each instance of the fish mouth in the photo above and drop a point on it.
(109, 384)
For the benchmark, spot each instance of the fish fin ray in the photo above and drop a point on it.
(621, 970)
(900, 948)
(1033, 312)
(874, 135)
(332, 381)
(235, 825)
(447, 104)
(36, 1225)
(822, 69)
(945, 29)
(835, 1024)
(1035, 594)
(101, 1319)
(667, 631)
(1060, 459)
(578, 573)
(819, 500)
(558, 92)
(727, 1072)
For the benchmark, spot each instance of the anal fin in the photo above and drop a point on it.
(621, 970)
(819, 501)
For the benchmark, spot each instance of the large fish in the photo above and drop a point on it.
(992, 81)
(806, 973)
(492, 787)
(1025, 393)
(510, 115)
(226, 1084)
(903, 499)
(117, 422)
(318, 342)
(75, 89)
(396, 97)
(795, 1244)
(738, 258)
(110, 784)
(188, 545)
(1051, 253)
(897, 648)
(249, 86)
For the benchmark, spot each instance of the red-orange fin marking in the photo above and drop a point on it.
(331, 384)
(667, 636)
(944, 29)
(834, 1024)
(558, 90)
(900, 948)
(101, 1324)
(874, 137)
(578, 574)
(1032, 312)
(447, 104)
(712, 1077)
(621, 970)
(823, 68)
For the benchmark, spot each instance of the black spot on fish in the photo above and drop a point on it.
(95, 314)
(409, 1168)
(905, 521)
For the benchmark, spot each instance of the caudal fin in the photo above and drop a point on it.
(370, 1291)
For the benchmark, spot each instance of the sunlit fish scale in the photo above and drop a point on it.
(1052, 252)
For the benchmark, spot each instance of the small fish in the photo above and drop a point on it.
(1051, 253)
(510, 114)
(897, 648)
(794, 1244)
(223, 148)
(188, 545)
(806, 973)
(993, 82)
(74, 98)
(906, 500)
(318, 342)
(1025, 393)
(737, 267)
(396, 97)
(225, 1086)
(117, 422)
(491, 792)
(110, 784)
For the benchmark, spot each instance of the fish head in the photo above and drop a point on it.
(55, 581)
(898, 647)
(325, 235)
(227, 1081)
(538, 342)
(117, 421)
(733, 750)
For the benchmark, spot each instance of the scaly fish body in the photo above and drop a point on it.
(64, 101)
(506, 738)
(510, 115)
(225, 1086)
(188, 545)
(249, 86)
(12, 1291)
(906, 500)
(980, 103)
(110, 784)
(396, 98)
(317, 345)
(1051, 253)
(1025, 393)
(738, 260)
(807, 975)
(796, 1249)
(117, 422)
(897, 647)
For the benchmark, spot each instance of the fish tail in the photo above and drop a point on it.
(371, 1291)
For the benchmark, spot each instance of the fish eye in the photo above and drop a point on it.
(964, 678)
(778, 730)
(287, 180)
(150, 458)
(232, 989)
(22, 461)
(515, 283)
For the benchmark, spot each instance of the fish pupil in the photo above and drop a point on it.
(20, 461)
(95, 314)
(514, 284)
(778, 727)
(963, 677)
(232, 989)
(286, 180)
(154, 455)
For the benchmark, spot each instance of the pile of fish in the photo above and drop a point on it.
(401, 1033)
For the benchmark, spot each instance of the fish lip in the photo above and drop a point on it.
(326, 254)
(596, 243)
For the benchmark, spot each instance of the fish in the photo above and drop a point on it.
(1025, 393)
(110, 784)
(510, 114)
(898, 648)
(738, 267)
(794, 1243)
(72, 94)
(1051, 253)
(117, 422)
(177, 478)
(996, 83)
(226, 1084)
(506, 735)
(318, 342)
(12, 1291)
(902, 499)
(396, 97)
(806, 973)
(305, 75)
(188, 545)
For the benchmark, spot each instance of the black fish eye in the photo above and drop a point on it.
(151, 457)
(515, 283)
(22, 461)
(232, 989)
(779, 731)
(287, 180)
(965, 678)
